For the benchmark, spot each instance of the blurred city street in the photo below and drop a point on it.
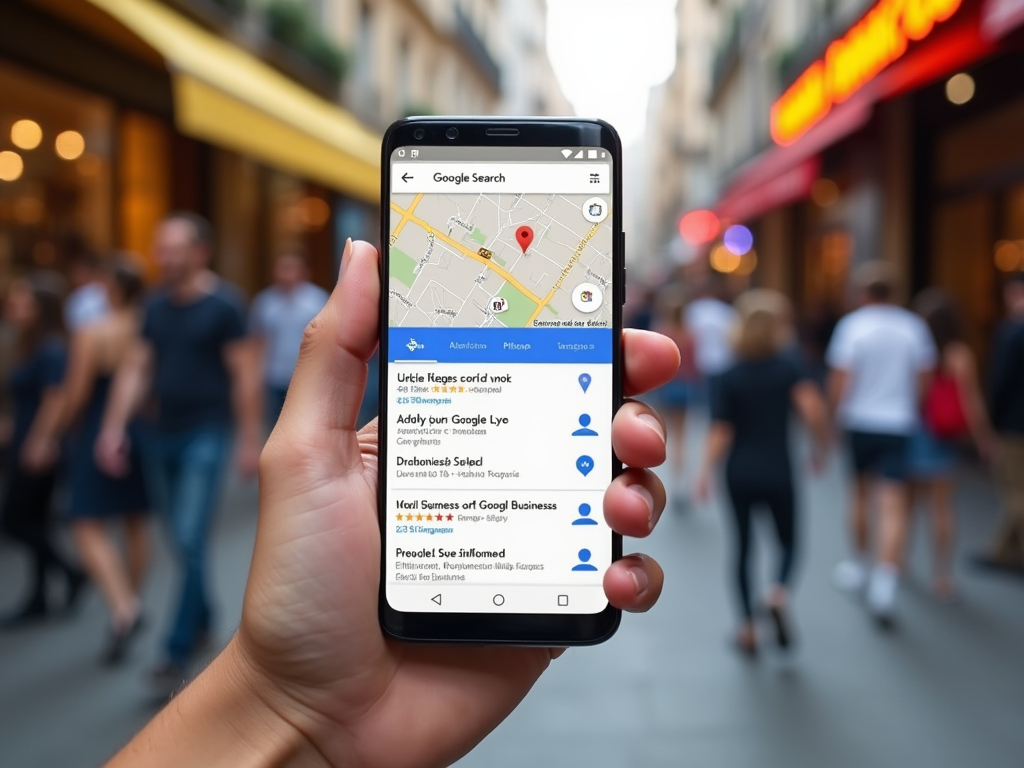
(944, 690)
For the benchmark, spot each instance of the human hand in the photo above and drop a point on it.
(39, 454)
(309, 647)
(111, 452)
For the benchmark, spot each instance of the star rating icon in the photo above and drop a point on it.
(450, 517)
(419, 517)
(409, 517)
(398, 517)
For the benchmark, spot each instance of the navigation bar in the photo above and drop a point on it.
(501, 178)
(500, 345)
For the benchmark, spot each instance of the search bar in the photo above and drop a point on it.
(502, 178)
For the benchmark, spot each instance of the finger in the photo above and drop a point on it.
(638, 435)
(650, 360)
(330, 376)
(634, 502)
(634, 583)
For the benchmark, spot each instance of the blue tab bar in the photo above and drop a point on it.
(500, 345)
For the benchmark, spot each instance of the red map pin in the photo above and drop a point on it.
(524, 236)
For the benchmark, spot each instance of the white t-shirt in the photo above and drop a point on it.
(883, 349)
(711, 323)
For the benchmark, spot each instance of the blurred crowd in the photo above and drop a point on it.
(122, 401)
(896, 392)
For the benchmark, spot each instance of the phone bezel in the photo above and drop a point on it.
(499, 628)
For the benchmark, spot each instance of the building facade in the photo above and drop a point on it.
(883, 129)
(263, 115)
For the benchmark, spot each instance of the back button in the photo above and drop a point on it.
(436, 599)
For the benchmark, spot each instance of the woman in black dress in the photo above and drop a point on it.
(97, 499)
(34, 308)
(751, 412)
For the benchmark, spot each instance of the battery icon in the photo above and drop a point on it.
(592, 154)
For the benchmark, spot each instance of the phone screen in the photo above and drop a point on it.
(499, 379)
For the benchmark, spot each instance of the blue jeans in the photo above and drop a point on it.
(185, 472)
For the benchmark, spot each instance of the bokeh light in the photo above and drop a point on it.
(723, 260)
(11, 166)
(313, 212)
(960, 88)
(738, 239)
(26, 134)
(69, 145)
(1009, 256)
(699, 227)
(748, 263)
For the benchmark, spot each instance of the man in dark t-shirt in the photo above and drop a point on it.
(195, 365)
(1007, 407)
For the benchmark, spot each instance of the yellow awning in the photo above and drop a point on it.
(226, 96)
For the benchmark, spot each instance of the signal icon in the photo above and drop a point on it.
(566, 153)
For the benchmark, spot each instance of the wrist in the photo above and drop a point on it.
(250, 712)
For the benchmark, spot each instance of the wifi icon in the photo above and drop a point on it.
(566, 153)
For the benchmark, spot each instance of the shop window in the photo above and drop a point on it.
(55, 172)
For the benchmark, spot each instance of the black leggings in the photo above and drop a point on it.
(780, 503)
(26, 518)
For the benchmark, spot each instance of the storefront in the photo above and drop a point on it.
(115, 112)
(898, 146)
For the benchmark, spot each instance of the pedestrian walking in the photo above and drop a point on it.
(751, 413)
(881, 358)
(674, 398)
(87, 303)
(35, 309)
(1006, 551)
(98, 499)
(194, 345)
(277, 321)
(710, 321)
(953, 409)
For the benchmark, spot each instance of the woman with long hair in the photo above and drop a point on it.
(97, 499)
(750, 412)
(954, 408)
(35, 309)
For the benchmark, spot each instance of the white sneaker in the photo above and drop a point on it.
(881, 595)
(850, 576)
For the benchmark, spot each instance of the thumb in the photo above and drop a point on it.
(322, 406)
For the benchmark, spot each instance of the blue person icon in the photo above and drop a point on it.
(584, 430)
(584, 518)
(584, 564)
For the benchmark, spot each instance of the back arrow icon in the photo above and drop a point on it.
(436, 599)
(406, 177)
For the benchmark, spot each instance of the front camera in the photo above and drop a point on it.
(452, 133)
(418, 134)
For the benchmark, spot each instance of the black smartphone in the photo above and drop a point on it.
(500, 359)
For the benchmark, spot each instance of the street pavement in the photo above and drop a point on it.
(944, 690)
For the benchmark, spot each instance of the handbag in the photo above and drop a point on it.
(943, 408)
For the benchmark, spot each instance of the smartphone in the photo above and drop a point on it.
(501, 318)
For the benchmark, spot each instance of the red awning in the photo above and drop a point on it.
(951, 48)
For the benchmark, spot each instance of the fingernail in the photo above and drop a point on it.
(639, 578)
(652, 422)
(345, 254)
(644, 494)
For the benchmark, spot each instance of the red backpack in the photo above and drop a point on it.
(943, 409)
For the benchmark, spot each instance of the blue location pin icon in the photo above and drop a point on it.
(584, 464)
(585, 381)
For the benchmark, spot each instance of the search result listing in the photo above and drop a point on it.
(499, 426)
(496, 476)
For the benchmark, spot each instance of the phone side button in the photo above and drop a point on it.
(622, 250)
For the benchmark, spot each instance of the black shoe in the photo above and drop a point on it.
(120, 640)
(168, 678)
(77, 581)
(783, 636)
(32, 611)
(990, 563)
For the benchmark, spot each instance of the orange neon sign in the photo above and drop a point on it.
(849, 63)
